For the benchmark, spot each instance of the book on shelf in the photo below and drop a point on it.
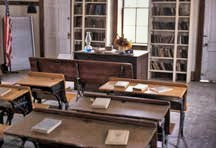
(162, 51)
(101, 103)
(121, 84)
(4, 91)
(184, 25)
(161, 89)
(117, 137)
(162, 65)
(163, 11)
(46, 126)
(159, 65)
(140, 87)
(163, 25)
(159, 38)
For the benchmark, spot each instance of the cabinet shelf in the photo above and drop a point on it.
(164, 2)
(96, 2)
(90, 16)
(88, 28)
(163, 44)
(161, 71)
(98, 15)
(182, 59)
(181, 72)
(164, 58)
(170, 38)
(162, 16)
(162, 30)
(185, 45)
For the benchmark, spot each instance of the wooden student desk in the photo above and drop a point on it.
(177, 96)
(83, 130)
(18, 100)
(129, 107)
(46, 84)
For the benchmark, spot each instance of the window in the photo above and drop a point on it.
(135, 20)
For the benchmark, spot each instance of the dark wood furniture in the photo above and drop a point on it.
(176, 96)
(139, 60)
(87, 74)
(46, 84)
(18, 100)
(1, 75)
(83, 130)
(130, 107)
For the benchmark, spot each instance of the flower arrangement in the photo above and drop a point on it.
(122, 43)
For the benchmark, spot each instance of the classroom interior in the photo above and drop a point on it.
(107, 73)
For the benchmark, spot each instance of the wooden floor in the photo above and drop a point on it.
(200, 122)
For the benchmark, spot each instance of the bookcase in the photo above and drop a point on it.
(90, 16)
(169, 40)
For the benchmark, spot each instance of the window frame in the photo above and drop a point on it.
(122, 22)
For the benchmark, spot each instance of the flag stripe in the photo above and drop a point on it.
(7, 38)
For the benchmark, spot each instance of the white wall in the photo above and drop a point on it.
(194, 32)
(20, 11)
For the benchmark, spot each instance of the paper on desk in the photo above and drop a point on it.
(148, 91)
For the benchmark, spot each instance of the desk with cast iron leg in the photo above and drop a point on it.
(130, 107)
(46, 86)
(18, 100)
(177, 96)
(83, 130)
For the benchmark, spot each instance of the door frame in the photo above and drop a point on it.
(199, 51)
(41, 24)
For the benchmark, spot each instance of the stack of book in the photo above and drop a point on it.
(140, 87)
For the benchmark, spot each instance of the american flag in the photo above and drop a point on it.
(7, 35)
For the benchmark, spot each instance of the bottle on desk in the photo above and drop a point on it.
(88, 39)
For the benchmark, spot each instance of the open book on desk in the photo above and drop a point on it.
(161, 89)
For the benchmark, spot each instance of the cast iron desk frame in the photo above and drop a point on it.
(20, 103)
(177, 102)
(36, 139)
(57, 90)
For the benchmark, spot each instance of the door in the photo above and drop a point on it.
(57, 22)
(209, 42)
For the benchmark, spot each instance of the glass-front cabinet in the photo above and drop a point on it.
(91, 16)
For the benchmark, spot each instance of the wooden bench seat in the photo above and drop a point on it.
(70, 96)
(91, 74)
(40, 106)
